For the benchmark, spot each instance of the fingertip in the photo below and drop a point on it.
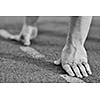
(88, 68)
(68, 69)
(57, 62)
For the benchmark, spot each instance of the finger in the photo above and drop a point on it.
(87, 67)
(76, 70)
(83, 70)
(68, 69)
(57, 62)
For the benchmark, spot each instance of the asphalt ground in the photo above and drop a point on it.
(17, 66)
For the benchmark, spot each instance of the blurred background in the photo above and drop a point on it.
(55, 23)
(44, 23)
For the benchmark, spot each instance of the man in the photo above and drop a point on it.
(74, 56)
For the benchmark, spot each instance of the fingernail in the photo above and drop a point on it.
(90, 72)
(80, 76)
(86, 75)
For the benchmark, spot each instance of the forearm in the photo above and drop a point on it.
(78, 29)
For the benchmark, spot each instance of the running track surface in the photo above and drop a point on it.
(18, 66)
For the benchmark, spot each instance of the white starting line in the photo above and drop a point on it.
(35, 54)
(72, 79)
(32, 52)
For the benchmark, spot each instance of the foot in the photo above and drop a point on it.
(27, 33)
(74, 61)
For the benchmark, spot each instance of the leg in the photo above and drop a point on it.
(29, 30)
(74, 56)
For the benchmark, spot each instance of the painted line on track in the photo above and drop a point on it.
(32, 52)
(72, 79)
